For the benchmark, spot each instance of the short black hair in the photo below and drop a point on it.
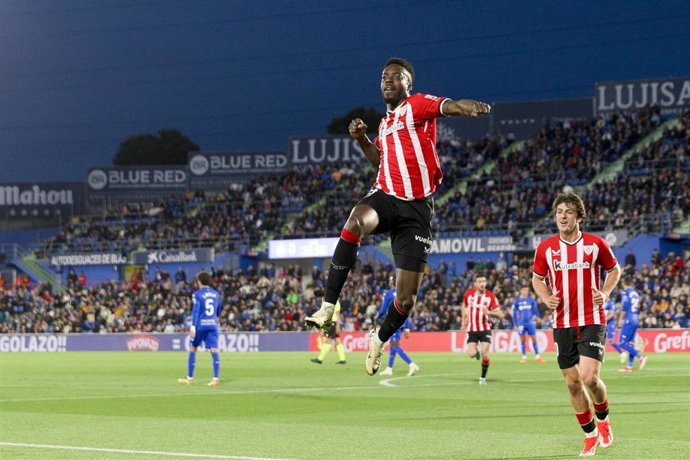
(204, 278)
(404, 63)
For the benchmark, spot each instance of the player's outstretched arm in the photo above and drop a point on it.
(465, 107)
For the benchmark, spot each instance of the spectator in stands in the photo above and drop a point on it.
(180, 276)
(140, 303)
(72, 277)
(81, 281)
(630, 259)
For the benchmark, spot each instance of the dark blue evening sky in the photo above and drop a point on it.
(79, 76)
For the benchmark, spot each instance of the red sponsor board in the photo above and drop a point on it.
(656, 341)
(143, 342)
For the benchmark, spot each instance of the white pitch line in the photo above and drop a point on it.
(134, 452)
(387, 382)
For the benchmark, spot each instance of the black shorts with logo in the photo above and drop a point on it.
(573, 342)
(480, 336)
(409, 223)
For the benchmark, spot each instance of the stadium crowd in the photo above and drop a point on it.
(512, 198)
(244, 213)
(314, 201)
(276, 298)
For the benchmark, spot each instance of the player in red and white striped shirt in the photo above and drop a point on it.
(478, 305)
(572, 262)
(400, 201)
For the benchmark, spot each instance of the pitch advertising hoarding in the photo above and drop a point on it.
(655, 341)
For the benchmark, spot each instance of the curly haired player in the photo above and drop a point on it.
(572, 261)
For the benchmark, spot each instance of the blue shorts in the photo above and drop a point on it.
(627, 333)
(209, 336)
(396, 337)
(611, 330)
(528, 329)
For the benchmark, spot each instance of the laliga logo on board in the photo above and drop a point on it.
(97, 179)
(198, 165)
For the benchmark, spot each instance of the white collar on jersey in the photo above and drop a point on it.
(579, 237)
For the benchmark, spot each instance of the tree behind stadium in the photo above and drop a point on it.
(169, 147)
(339, 126)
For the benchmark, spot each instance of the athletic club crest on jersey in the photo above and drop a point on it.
(402, 110)
(588, 249)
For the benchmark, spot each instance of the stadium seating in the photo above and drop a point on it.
(491, 187)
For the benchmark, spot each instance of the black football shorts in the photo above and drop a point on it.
(479, 336)
(573, 342)
(409, 223)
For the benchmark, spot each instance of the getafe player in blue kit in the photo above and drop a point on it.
(394, 341)
(630, 309)
(205, 311)
(524, 311)
(611, 323)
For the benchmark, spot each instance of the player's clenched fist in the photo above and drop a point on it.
(357, 128)
(481, 108)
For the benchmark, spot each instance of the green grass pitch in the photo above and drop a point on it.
(280, 405)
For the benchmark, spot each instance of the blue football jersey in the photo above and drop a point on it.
(630, 306)
(524, 311)
(387, 301)
(610, 306)
(206, 307)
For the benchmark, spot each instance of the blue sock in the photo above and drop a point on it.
(391, 356)
(216, 364)
(523, 348)
(536, 347)
(191, 362)
(617, 346)
(404, 356)
(632, 353)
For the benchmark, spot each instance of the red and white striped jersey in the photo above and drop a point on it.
(574, 270)
(409, 168)
(475, 302)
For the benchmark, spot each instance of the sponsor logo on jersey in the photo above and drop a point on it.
(394, 127)
(560, 266)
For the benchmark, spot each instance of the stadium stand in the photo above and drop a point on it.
(272, 298)
(493, 186)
